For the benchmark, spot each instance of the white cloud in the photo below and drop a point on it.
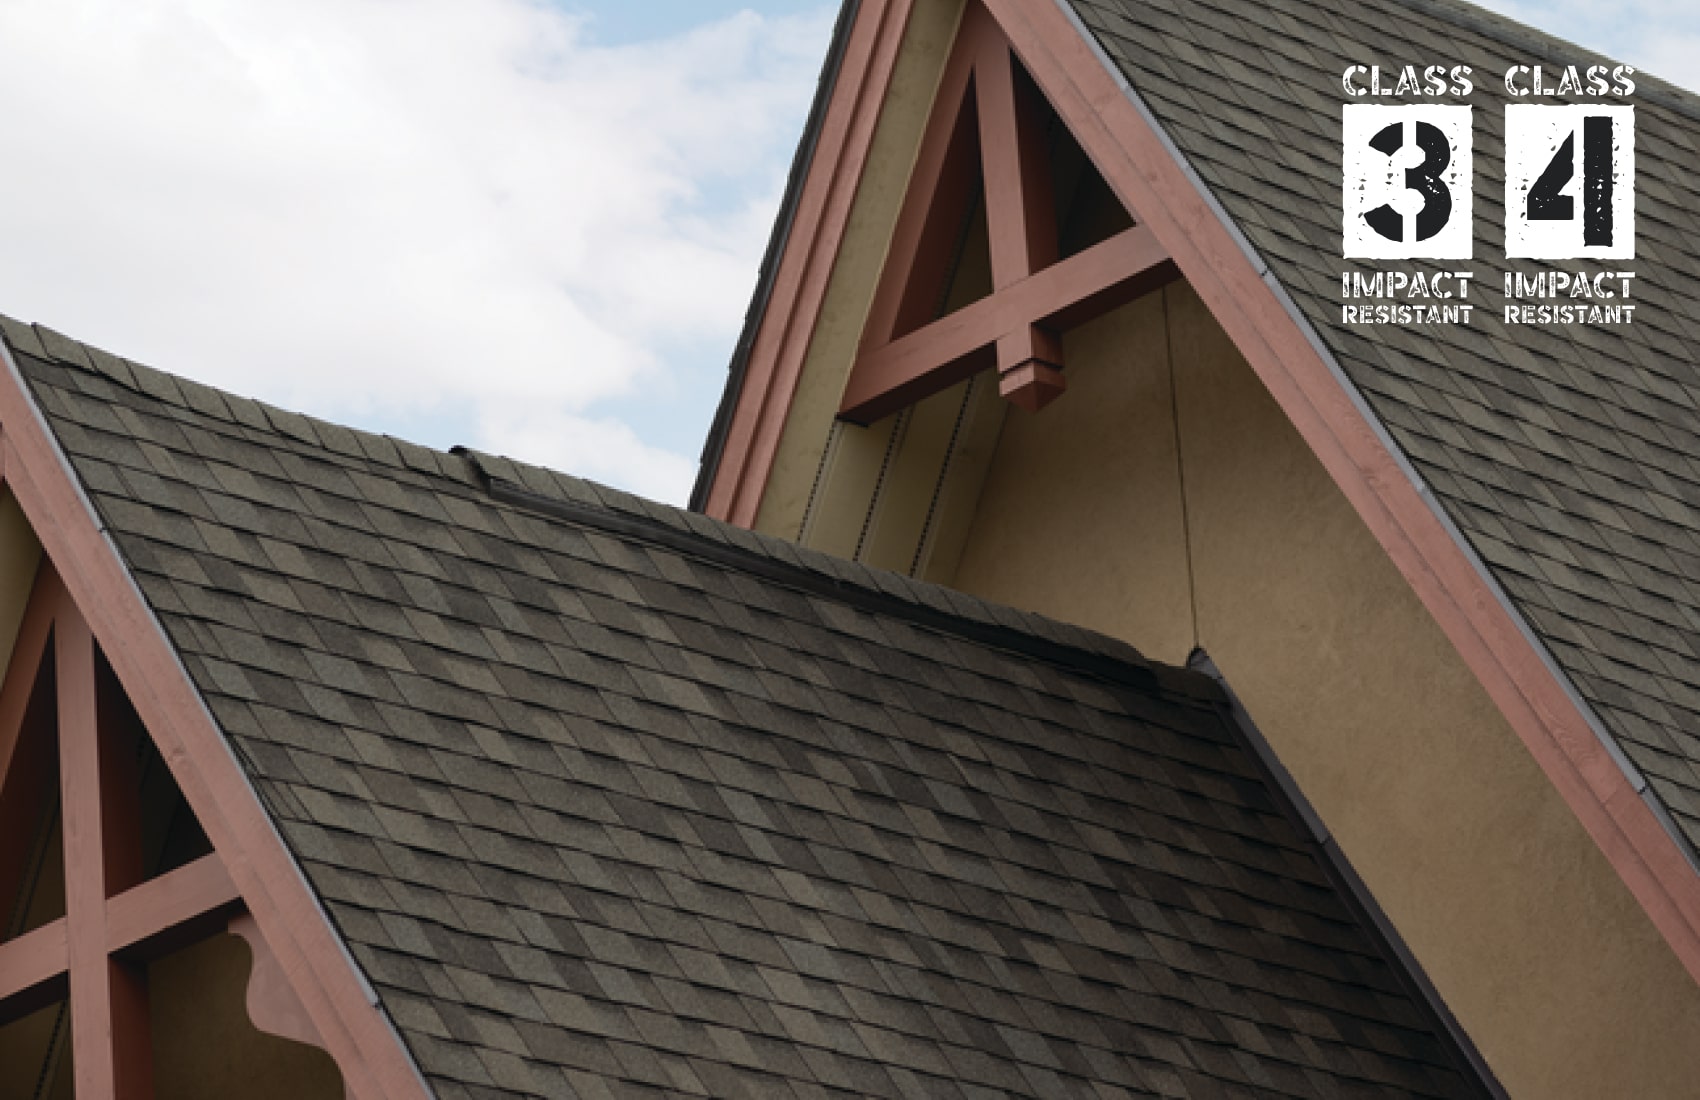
(435, 212)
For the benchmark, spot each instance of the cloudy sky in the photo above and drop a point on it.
(527, 225)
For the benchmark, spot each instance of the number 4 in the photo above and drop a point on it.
(1548, 204)
(1540, 168)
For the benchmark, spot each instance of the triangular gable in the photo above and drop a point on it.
(1165, 195)
(986, 140)
(92, 677)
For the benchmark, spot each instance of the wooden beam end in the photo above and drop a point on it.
(1032, 385)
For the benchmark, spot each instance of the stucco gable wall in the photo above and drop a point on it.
(1528, 932)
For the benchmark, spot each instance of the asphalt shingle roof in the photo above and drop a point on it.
(610, 800)
(1569, 457)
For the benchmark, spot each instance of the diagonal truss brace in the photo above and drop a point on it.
(907, 352)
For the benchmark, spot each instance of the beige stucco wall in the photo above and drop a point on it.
(1113, 561)
(1524, 927)
(24, 1055)
(205, 1048)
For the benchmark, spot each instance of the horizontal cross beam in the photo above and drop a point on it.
(958, 345)
(146, 922)
(143, 923)
(33, 970)
(171, 911)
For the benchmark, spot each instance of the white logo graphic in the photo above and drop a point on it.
(1407, 181)
(1569, 181)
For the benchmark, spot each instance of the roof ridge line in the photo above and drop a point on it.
(879, 591)
(50, 345)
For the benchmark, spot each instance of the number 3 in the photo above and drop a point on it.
(1424, 179)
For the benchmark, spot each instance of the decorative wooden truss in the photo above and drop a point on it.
(987, 102)
(58, 689)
